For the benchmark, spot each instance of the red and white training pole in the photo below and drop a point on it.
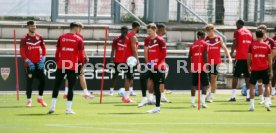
(199, 82)
(16, 65)
(104, 62)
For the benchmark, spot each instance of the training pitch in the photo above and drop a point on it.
(115, 117)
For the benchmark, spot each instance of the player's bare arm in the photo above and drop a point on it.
(223, 46)
(133, 41)
(270, 66)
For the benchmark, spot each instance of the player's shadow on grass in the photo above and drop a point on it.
(10, 107)
(39, 114)
(127, 113)
(223, 111)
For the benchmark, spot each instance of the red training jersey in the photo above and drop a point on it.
(81, 55)
(213, 49)
(243, 38)
(157, 52)
(30, 47)
(68, 48)
(274, 38)
(120, 49)
(259, 55)
(197, 50)
(128, 52)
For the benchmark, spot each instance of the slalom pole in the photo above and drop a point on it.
(199, 82)
(16, 66)
(104, 62)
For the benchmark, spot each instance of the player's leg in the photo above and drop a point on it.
(143, 83)
(236, 74)
(265, 77)
(58, 81)
(113, 81)
(150, 87)
(193, 90)
(253, 80)
(41, 87)
(29, 89)
(72, 78)
(87, 94)
(213, 87)
(246, 78)
(66, 89)
(260, 91)
(158, 78)
(128, 80)
(132, 92)
(273, 80)
(204, 82)
(163, 90)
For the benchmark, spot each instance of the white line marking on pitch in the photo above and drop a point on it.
(100, 128)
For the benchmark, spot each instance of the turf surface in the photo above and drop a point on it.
(116, 117)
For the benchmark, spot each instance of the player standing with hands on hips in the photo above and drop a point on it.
(69, 51)
(30, 47)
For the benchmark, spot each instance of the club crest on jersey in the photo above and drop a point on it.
(216, 39)
(37, 38)
(154, 41)
(5, 73)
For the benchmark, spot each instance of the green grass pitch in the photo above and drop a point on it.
(115, 117)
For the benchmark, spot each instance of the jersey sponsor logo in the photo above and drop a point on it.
(259, 55)
(5, 72)
(67, 49)
(152, 50)
(259, 47)
(214, 47)
(246, 41)
(198, 54)
(33, 47)
(68, 40)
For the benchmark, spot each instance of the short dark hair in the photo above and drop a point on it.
(161, 25)
(259, 33)
(201, 34)
(123, 28)
(241, 22)
(135, 24)
(31, 22)
(73, 25)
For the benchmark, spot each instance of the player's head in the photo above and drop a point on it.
(161, 29)
(210, 30)
(136, 27)
(151, 29)
(124, 31)
(81, 26)
(239, 24)
(259, 33)
(262, 27)
(31, 26)
(200, 35)
(74, 27)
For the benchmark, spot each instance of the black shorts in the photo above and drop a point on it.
(203, 79)
(241, 67)
(213, 69)
(256, 75)
(156, 76)
(123, 67)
